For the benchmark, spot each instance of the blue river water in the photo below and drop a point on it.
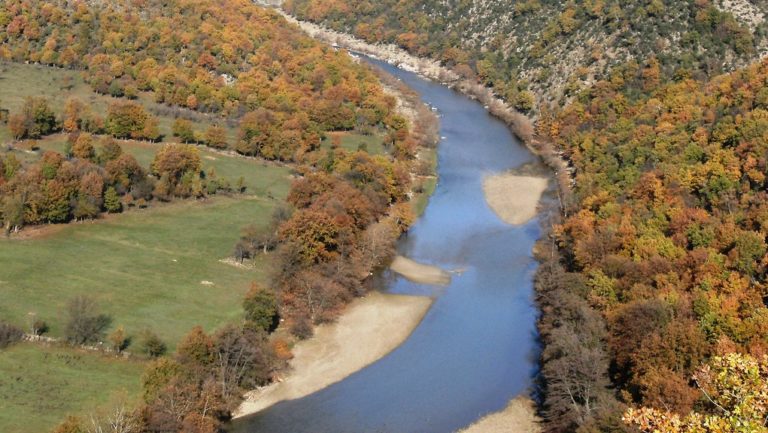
(476, 348)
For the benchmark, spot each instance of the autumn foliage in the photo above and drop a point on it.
(666, 233)
(229, 58)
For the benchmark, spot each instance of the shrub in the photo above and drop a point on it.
(302, 328)
(9, 334)
(150, 344)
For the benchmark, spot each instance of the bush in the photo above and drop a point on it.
(9, 334)
(150, 344)
(302, 328)
(84, 324)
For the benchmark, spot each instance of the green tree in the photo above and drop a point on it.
(112, 201)
(150, 344)
(118, 339)
(260, 308)
(182, 128)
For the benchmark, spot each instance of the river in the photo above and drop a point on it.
(477, 346)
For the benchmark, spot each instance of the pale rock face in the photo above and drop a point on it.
(744, 11)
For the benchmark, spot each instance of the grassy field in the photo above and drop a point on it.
(373, 144)
(19, 81)
(40, 385)
(145, 267)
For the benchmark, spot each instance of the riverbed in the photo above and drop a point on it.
(476, 348)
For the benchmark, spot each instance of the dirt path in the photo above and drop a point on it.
(514, 198)
(370, 328)
(517, 417)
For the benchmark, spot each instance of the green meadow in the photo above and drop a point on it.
(41, 385)
(159, 268)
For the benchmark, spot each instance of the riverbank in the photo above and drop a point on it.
(517, 417)
(370, 328)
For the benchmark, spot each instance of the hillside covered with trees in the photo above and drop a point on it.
(548, 50)
(666, 233)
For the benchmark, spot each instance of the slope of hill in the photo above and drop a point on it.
(553, 48)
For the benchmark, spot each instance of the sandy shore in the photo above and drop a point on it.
(420, 273)
(370, 328)
(517, 417)
(514, 198)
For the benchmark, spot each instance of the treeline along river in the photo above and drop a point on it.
(477, 346)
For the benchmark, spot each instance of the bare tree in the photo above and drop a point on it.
(118, 419)
(84, 324)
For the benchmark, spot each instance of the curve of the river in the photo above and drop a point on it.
(477, 346)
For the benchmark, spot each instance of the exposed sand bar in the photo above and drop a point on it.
(370, 328)
(514, 198)
(420, 273)
(518, 417)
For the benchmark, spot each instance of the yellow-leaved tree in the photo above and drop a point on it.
(735, 388)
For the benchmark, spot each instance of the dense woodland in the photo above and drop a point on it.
(666, 235)
(548, 49)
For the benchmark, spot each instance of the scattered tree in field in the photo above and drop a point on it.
(35, 120)
(83, 147)
(196, 347)
(182, 128)
(150, 344)
(109, 150)
(73, 113)
(85, 325)
(118, 339)
(128, 119)
(216, 137)
(175, 161)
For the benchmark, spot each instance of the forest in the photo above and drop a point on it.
(546, 51)
(665, 236)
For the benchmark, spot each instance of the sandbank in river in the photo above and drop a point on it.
(370, 328)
